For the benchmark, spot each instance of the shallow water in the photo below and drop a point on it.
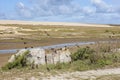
(48, 47)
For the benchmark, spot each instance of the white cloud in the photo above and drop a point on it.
(23, 11)
(20, 5)
(102, 6)
(88, 11)
(98, 10)
(46, 8)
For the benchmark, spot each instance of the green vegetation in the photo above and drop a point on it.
(82, 54)
(92, 59)
(85, 58)
(19, 62)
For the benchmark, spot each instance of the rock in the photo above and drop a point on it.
(21, 52)
(50, 58)
(61, 56)
(12, 58)
(38, 56)
(35, 55)
(65, 56)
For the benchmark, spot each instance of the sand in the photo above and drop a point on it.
(51, 23)
(4, 59)
(85, 75)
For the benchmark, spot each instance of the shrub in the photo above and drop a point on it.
(105, 49)
(82, 53)
(20, 61)
(106, 31)
(116, 57)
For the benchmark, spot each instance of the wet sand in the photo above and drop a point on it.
(44, 42)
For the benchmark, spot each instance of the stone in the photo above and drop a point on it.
(50, 59)
(59, 56)
(65, 56)
(21, 52)
(38, 56)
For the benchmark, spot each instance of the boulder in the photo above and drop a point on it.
(36, 56)
(39, 56)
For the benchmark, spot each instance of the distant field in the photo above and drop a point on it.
(43, 31)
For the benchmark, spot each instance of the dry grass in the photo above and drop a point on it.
(42, 31)
(109, 77)
(42, 35)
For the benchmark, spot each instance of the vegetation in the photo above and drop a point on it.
(89, 58)
(39, 31)
(92, 59)
(109, 77)
(19, 62)
(85, 58)
(82, 54)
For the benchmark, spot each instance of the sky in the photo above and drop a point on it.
(83, 11)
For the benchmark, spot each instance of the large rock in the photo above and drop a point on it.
(36, 56)
(39, 56)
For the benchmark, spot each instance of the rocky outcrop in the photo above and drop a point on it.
(40, 56)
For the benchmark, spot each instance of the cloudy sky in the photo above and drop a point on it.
(84, 11)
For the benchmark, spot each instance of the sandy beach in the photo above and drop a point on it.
(51, 23)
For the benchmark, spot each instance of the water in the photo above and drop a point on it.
(48, 47)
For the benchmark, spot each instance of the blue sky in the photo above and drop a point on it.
(84, 11)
